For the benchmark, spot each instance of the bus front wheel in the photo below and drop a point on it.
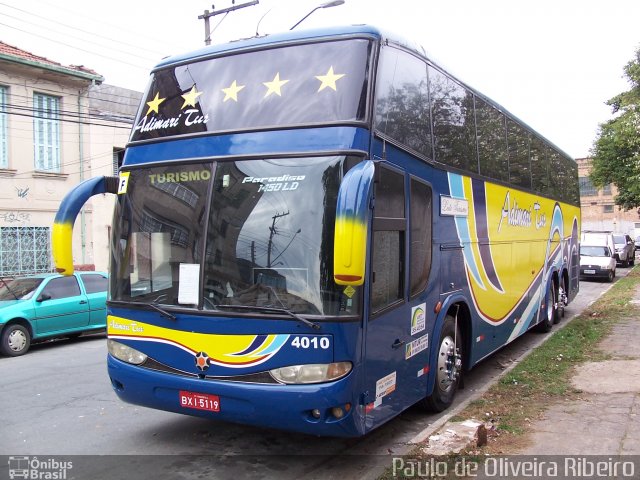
(449, 367)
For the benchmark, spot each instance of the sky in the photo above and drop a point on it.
(552, 63)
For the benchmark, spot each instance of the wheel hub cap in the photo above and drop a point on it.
(449, 364)
(17, 340)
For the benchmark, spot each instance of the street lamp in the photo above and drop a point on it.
(334, 3)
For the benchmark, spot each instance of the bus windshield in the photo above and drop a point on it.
(252, 233)
(293, 85)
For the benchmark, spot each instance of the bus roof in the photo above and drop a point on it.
(361, 30)
(283, 38)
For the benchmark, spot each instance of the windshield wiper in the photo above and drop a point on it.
(160, 310)
(255, 308)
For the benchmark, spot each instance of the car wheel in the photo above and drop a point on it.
(611, 276)
(449, 367)
(15, 340)
(632, 261)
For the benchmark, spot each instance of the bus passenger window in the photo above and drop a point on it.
(420, 249)
(454, 127)
(539, 167)
(389, 226)
(519, 166)
(492, 141)
(402, 100)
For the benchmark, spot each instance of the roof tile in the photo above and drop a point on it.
(6, 49)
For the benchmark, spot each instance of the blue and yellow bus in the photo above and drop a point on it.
(316, 230)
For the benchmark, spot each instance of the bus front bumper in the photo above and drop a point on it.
(302, 408)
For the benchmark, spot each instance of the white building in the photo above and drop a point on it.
(59, 125)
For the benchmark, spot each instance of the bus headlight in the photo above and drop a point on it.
(312, 373)
(125, 353)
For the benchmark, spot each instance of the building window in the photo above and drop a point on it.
(118, 156)
(4, 155)
(607, 189)
(607, 209)
(24, 250)
(46, 132)
(586, 188)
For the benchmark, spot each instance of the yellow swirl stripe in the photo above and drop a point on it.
(221, 349)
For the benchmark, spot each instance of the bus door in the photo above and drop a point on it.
(396, 335)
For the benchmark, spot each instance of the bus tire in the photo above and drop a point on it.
(550, 311)
(15, 340)
(448, 368)
(560, 301)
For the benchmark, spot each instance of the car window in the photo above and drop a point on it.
(595, 251)
(94, 283)
(19, 289)
(62, 287)
(618, 239)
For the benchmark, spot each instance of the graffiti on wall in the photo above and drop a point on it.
(15, 217)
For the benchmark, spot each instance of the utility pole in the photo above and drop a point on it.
(272, 232)
(206, 15)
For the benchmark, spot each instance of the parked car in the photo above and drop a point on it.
(50, 305)
(620, 244)
(597, 261)
(625, 249)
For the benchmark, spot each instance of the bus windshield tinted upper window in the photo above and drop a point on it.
(293, 85)
(269, 235)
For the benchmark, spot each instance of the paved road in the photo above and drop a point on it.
(57, 400)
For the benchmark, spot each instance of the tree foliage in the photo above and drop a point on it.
(616, 151)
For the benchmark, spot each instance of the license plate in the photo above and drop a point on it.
(590, 271)
(199, 401)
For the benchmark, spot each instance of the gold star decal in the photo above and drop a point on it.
(154, 104)
(274, 86)
(231, 92)
(191, 98)
(329, 80)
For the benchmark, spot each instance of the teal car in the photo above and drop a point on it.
(50, 305)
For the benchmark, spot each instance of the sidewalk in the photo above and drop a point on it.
(606, 418)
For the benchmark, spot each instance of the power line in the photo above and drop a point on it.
(65, 120)
(77, 48)
(88, 95)
(92, 34)
(114, 117)
(49, 29)
(156, 40)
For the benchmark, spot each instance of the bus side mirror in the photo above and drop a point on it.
(62, 232)
(352, 225)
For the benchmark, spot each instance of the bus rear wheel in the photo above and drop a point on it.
(550, 311)
(449, 367)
